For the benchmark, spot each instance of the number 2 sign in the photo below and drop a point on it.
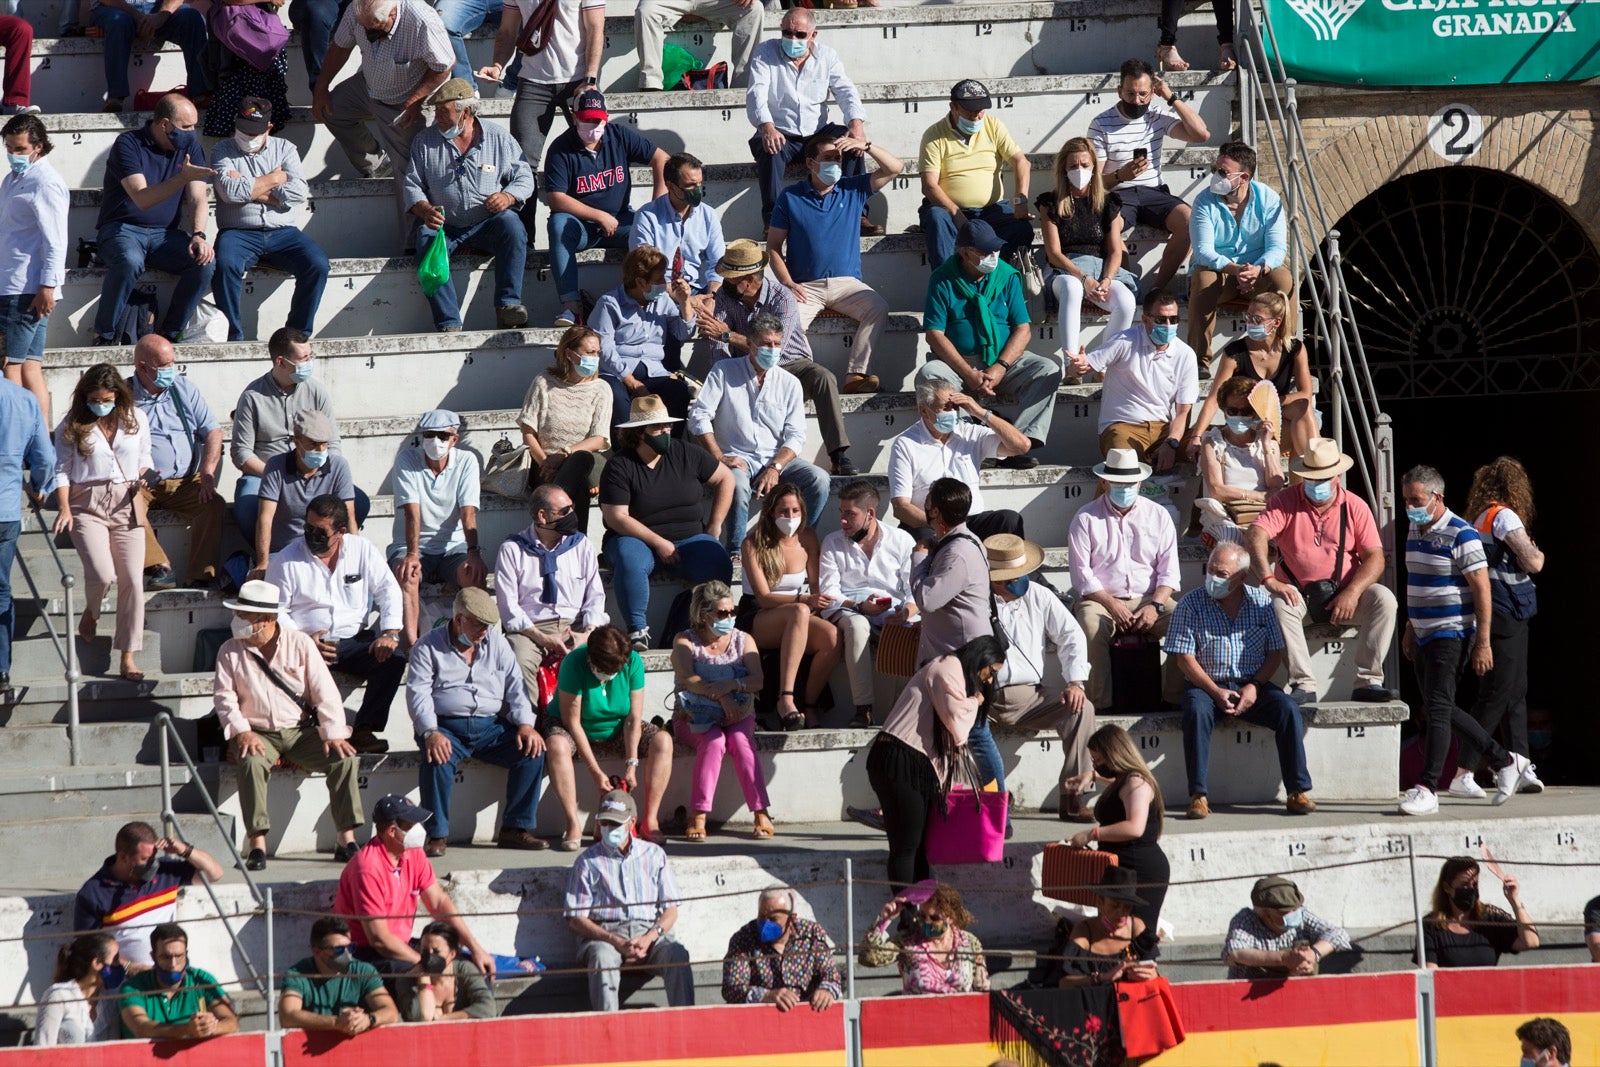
(1455, 132)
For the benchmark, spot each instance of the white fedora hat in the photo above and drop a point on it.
(262, 598)
(1122, 465)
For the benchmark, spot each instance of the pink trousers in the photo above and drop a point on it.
(738, 741)
(110, 540)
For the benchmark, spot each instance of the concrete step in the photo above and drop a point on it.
(1004, 40)
(101, 744)
(70, 848)
(63, 792)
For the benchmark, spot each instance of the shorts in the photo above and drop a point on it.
(1146, 205)
(436, 566)
(21, 331)
(611, 749)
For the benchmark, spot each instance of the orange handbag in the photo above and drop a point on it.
(897, 649)
(1071, 874)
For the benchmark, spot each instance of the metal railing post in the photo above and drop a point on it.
(72, 676)
(1336, 336)
(1416, 901)
(1291, 185)
(272, 966)
(850, 928)
(1247, 99)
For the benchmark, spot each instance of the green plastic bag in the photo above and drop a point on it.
(675, 63)
(433, 269)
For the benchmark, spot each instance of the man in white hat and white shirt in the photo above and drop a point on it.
(1029, 615)
(1328, 547)
(436, 498)
(1123, 555)
(275, 698)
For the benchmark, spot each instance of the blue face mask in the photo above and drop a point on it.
(101, 410)
(19, 164)
(770, 931)
(113, 974)
(165, 376)
(1419, 516)
(1255, 332)
(793, 49)
(829, 173)
(969, 126)
(1217, 588)
(1123, 495)
(452, 133)
(182, 140)
(588, 366)
(655, 291)
(945, 421)
(1319, 492)
(169, 977)
(301, 372)
(462, 640)
(1163, 333)
(767, 357)
(615, 836)
(315, 460)
(1240, 424)
(1017, 586)
(722, 626)
(1293, 919)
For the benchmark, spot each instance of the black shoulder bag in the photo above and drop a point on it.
(1317, 595)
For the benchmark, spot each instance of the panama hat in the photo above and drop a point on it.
(648, 410)
(1122, 465)
(1011, 557)
(1322, 460)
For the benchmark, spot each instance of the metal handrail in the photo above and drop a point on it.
(167, 735)
(66, 650)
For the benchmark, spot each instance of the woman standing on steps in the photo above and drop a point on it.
(102, 455)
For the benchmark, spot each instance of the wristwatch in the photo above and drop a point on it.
(1015, 200)
(200, 234)
(1172, 443)
(659, 932)
(726, 334)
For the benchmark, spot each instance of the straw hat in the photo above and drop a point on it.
(1322, 460)
(742, 257)
(1011, 557)
(648, 410)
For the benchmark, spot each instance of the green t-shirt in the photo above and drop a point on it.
(604, 707)
(331, 994)
(197, 990)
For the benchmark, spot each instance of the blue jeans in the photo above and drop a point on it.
(315, 21)
(127, 249)
(1273, 709)
(185, 28)
(8, 553)
(700, 559)
(247, 505)
(812, 481)
(461, 17)
(986, 754)
(570, 235)
(502, 236)
(939, 229)
(492, 741)
(21, 331)
(283, 247)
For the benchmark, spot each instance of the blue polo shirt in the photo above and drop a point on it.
(136, 152)
(824, 231)
(599, 179)
(180, 420)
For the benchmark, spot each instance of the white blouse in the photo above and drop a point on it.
(107, 461)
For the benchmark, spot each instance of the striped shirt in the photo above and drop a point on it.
(1226, 649)
(1115, 136)
(1511, 586)
(394, 66)
(1438, 559)
(610, 886)
(130, 912)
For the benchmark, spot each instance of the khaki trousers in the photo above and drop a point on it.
(653, 18)
(1143, 437)
(304, 749)
(1209, 288)
(1033, 708)
(855, 633)
(530, 655)
(854, 298)
(181, 496)
(110, 541)
(1374, 618)
(1099, 629)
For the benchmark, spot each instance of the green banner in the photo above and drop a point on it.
(1437, 42)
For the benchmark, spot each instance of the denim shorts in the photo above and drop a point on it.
(436, 566)
(21, 331)
(1093, 265)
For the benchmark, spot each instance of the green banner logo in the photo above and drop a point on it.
(1437, 42)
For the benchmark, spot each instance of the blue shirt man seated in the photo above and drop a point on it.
(1227, 645)
(466, 697)
(588, 185)
(186, 445)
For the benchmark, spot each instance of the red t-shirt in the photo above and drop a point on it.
(1309, 540)
(371, 885)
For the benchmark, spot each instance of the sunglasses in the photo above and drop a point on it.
(1247, 412)
(726, 613)
(795, 35)
(1164, 320)
(336, 950)
(1257, 320)
(437, 435)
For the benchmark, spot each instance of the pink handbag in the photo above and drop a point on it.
(971, 828)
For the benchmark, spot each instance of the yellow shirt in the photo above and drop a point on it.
(969, 171)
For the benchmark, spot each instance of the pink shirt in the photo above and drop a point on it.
(1309, 540)
(1128, 556)
(371, 885)
(246, 699)
(935, 698)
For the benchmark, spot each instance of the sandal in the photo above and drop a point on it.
(131, 676)
(764, 829)
(794, 720)
(1227, 59)
(863, 717)
(696, 830)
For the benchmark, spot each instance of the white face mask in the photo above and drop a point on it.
(434, 448)
(615, 834)
(249, 144)
(243, 629)
(590, 132)
(988, 263)
(1079, 177)
(788, 526)
(1221, 184)
(415, 837)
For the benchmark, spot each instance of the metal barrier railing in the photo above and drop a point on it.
(63, 644)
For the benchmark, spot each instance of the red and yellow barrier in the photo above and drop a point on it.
(1478, 1011)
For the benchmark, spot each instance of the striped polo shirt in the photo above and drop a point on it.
(1438, 559)
(130, 912)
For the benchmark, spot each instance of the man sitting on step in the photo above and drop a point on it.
(748, 292)
(480, 214)
(174, 998)
(292, 479)
(274, 698)
(331, 990)
(1277, 936)
(1226, 643)
(684, 228)
(329, 579)
(547, 584)
(953, 437)
(978, 330)
(1123, 555)
(435, 515)
(961, 160)
(136, 889)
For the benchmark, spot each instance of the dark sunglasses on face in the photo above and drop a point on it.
(1164, 320)
(796, 35)
(726, 613)
(437, 435)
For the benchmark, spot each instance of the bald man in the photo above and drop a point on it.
(186, 449)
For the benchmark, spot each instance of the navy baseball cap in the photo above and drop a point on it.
(980, 235)
(395, 808)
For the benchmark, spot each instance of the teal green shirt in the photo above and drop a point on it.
(198, 990)
(604, 707)
(949, 310)
(330, 994)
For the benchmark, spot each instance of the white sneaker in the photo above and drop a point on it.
(1465, 785)
(640, 640)
(1419, 800)
(1303, 696)
(1529, 782)
(1508, 778)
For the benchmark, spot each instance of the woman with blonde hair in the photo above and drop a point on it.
(566, 419)
(102, 454)
(637, 322)
(1081, 221)
(1128, 821)
(1266, 353)
(783, 601)
(933, 948)
(718, 671)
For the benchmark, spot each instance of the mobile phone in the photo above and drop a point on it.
(1141, 153)
(878, 600)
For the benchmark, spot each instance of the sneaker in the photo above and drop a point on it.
(1419, 800)
(511, 317)
(567, 318)
(1465, 785)
(1508, 778)
(1303, 696)
(639, 640)
(159, 578)
(20, 109)
(1528, 783)
(1199, 807)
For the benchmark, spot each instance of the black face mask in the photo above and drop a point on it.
(860, 535)
(1465, 897)
(1134, 111)
(433, 963)
(147, 870)
(659, 443)
(376, 35)
(566, 525)
(318, 539)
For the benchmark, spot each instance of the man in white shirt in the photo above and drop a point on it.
(1031, 616)
(653, 18)
(866, 569)
(791, 78)
(953, 437)
(435, 515)
(750, 415)
(1152, 380)
(547, 583)
(330, 579)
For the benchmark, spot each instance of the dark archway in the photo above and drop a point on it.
(1478, 301)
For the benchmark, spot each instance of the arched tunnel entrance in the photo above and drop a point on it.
(1477, 297)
